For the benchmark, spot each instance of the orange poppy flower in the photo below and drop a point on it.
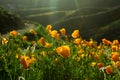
(75, 34)
(105, 41)
(100, 65)
(26, 61)
(55, 34)
(115, 47)
(115, 56)
(13, 33)
(63, 51)
(77, 41)
(42, 41)
(97, 57)
(24, 38)
(49, 28)
(109, 69)
(57, 37)
(115, 42)
(63, 31)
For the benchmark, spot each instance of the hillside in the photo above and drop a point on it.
(89, 24)
(93, 22)
(9, 21)
(86, 11)
(110, 31)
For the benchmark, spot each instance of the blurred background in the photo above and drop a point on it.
(94, 18)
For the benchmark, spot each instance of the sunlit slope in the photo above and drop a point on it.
(86, 11)
(88, 24)
(52, 15)
(42, 15)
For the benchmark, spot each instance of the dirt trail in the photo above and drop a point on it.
(28, 26)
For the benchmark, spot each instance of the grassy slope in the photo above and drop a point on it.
(111, 31)
(86, 11)
(89, 25)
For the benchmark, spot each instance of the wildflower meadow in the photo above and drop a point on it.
(47, 54)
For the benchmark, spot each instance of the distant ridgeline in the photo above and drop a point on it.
(94, 24)
(9, 21)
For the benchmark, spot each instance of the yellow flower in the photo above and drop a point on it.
(13, 33)
(33, 31)
(43, 53)
(109, 69)
(93, 64)
(80, 52)
(82, 55)
(48, 28)
(75, 34)
(63, 51)
(47, 45)
(4, 41)
(56, 61)
(24, 38)
(63, 31)
(17, 56)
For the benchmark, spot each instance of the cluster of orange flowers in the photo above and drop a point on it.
(65, 50)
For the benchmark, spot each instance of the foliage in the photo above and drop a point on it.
(51, 55)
